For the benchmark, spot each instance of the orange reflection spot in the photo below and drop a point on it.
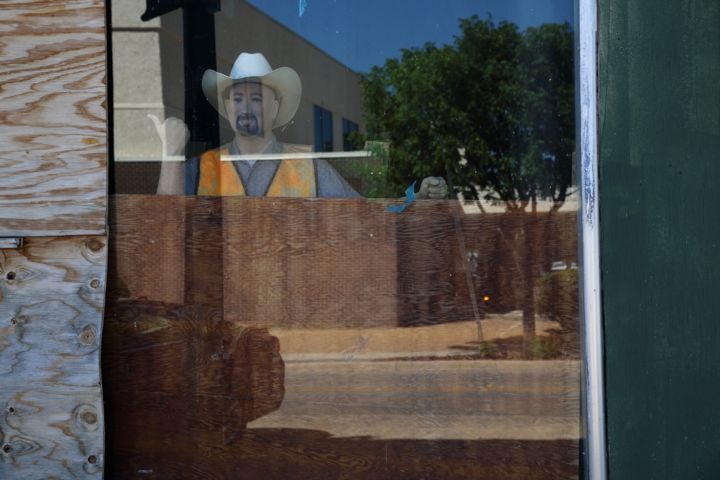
(486, 298)
(90, 141)
(293, 180)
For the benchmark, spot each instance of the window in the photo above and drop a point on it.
(323, 129)
(349, 127)
(420, 318)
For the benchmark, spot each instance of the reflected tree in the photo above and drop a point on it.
(493, 112)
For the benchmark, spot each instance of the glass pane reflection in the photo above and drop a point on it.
(417, 320)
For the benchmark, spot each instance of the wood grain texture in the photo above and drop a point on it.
(329, 263)
(305, 263)
(53, 141)
(52, 293)
(263, 262)
(154, 226)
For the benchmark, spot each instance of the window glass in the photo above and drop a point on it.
(344, 240)
(350, 131)
(323, 129)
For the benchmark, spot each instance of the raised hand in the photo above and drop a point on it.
(173, 134)
(433, 187)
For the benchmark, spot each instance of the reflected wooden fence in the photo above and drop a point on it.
(192, 281)
(329, 263)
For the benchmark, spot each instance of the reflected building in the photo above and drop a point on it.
(151, 80)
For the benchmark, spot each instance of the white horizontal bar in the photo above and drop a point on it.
(257, 157)
(296, 156)
(174, 158)
(140, 106)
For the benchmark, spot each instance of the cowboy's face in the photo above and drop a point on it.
(251, 109)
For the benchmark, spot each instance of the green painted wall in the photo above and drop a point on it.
(660, 214)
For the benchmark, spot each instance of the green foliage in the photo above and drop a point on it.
(492, 113)
(355, 140)
(544, 348)
(373, 171)
(488, 350)
(557, 297)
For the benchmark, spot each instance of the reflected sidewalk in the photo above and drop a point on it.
(444, 341)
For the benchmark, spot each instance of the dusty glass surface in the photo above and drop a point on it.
(344, 241)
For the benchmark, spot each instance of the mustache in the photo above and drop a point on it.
(248, 124)
(246, 117)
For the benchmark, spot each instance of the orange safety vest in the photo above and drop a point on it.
(293, 178)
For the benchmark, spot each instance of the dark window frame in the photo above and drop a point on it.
(323, 129)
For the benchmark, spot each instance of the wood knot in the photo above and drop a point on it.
(92, 459)
(86, 417)
(87, 336)
(89, 417)
(95, 283)
(6, 448)
(95, 245)
(10, 276)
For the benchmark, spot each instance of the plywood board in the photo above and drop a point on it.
(53, 141)
(52, 293)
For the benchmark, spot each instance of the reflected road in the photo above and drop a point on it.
(438, 399)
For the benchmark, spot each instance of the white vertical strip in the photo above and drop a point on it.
(596, 452)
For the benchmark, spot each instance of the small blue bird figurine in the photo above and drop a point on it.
(409, 198)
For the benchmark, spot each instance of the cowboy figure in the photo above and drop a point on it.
(255, 99)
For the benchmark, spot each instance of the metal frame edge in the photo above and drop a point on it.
(593, 365)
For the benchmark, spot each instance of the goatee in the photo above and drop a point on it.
(247, 124)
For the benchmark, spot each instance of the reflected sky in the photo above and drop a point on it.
(365, 33)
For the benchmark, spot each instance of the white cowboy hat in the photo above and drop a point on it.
(253, 66)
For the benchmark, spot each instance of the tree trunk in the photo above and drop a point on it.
(528, 281)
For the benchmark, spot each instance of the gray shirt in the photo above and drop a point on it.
(258, 176)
